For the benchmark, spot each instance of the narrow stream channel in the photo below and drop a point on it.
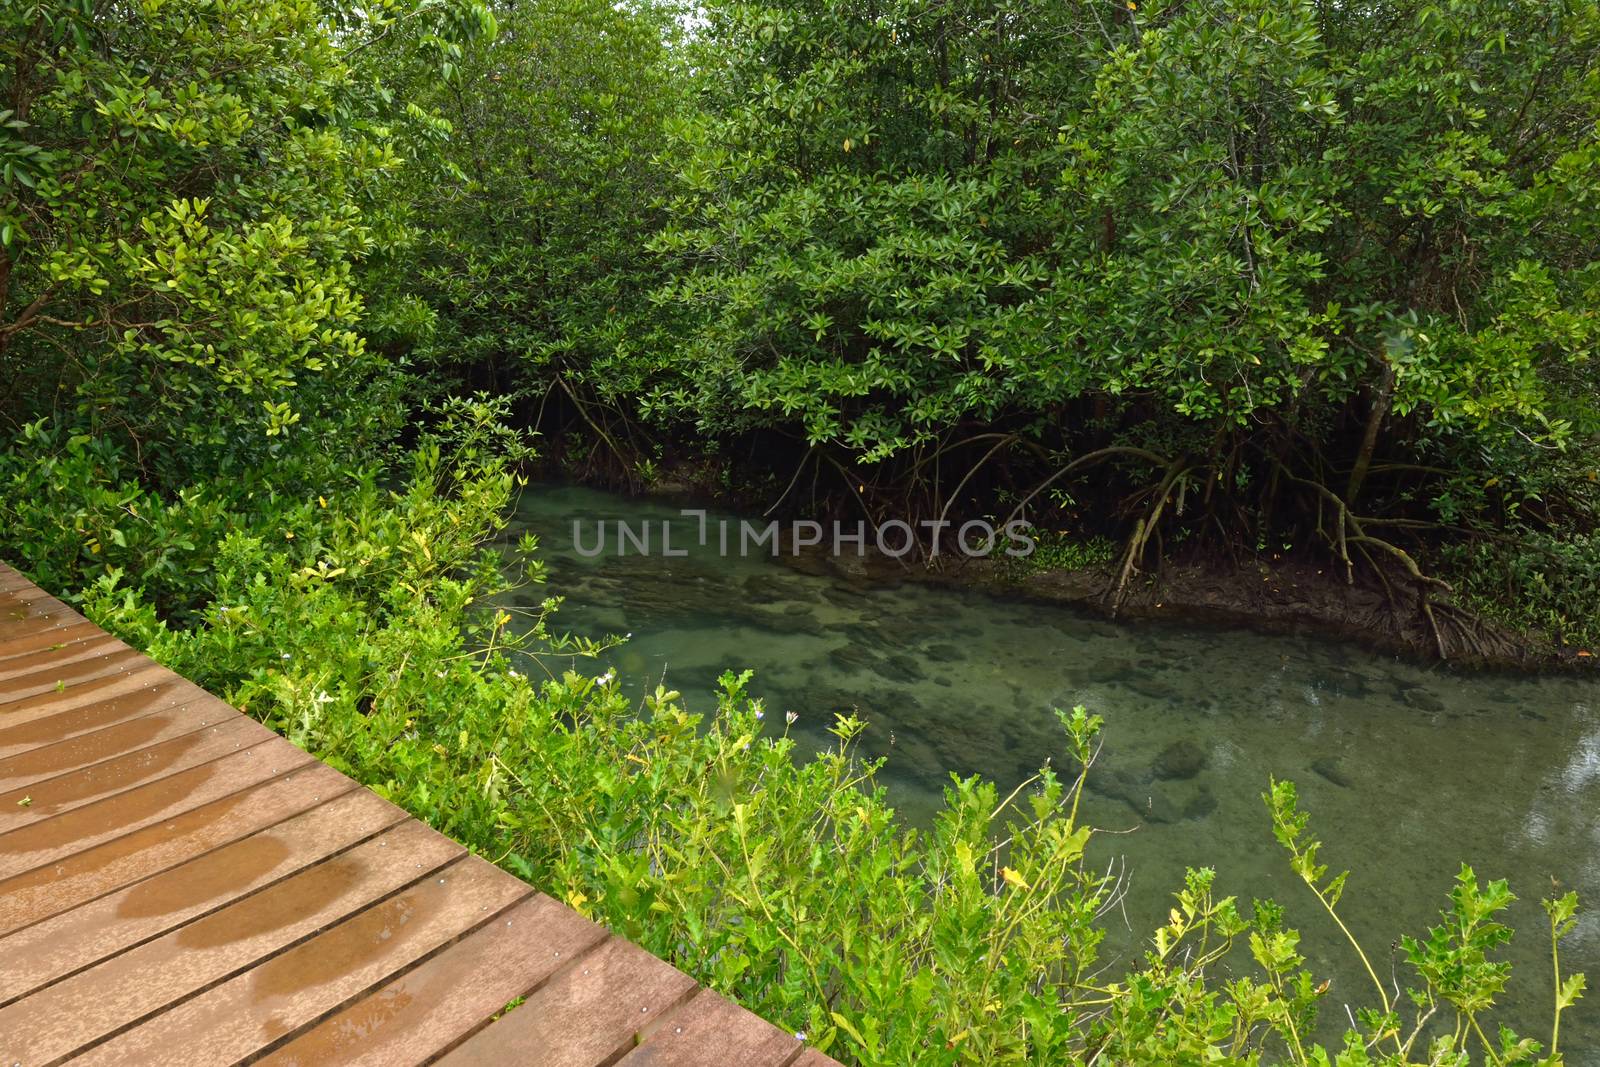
(1407, 770)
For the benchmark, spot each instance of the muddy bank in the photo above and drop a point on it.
(1271, 597)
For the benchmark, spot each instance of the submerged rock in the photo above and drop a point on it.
(864, 635)
(853, 658)
(1421, 699)
(1202, 804)
(844, 596)
(1331, 768)
(1111, 669)
(1344, 682)
(1179, 761)
(901, 668)
(768, 588)
(1149, 804)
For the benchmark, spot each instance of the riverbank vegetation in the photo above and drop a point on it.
(1205, 279)
(1216, 280)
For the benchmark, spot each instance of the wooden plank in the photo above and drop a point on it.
(83, 1009)
(417, 1016)
(73, 880)
(32, 611)
(27, 590)
(27, 624)
(22, 590)
(72, 633)
(50, 723)
(75, 939)
(710, 1022)
(53, 796)
(150, 677)
(58, 678)
(63, 835)
(60, 654)
(589, 1015)
(86, 749)
(259, 1008)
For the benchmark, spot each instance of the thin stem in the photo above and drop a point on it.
(1555, 966)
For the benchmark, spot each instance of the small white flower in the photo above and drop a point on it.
(283, 655)
(512, 674)
(760, 714)
(800, 1035)
(790, 717)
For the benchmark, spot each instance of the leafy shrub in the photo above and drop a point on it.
(1060, 551)
(1547, 582)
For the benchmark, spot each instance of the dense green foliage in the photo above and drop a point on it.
(1263, 262)
(532, 255)
(1302, 273)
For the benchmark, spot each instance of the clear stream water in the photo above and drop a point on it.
(1408, 770)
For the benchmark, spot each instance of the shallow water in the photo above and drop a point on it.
(1407, 770)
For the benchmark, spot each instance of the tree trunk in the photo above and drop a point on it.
(1369, 439)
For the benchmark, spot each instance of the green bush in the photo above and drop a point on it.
(1541, 581)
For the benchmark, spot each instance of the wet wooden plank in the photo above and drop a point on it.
(588, 1016)
(69, 634)
(412, 1019)
(59, 678)
(81, 828)
(258, 1009)
(22, 589)
(712, 1022)
(23, 731)
(31, 611)
(85, 935)
(58, 655)
(83, 876)
(79, 1011)
(147, 677)
(52, 796)
(121, 739)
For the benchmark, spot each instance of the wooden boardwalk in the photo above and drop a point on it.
(179, 885)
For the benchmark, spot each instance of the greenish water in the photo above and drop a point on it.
(1407, 770)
